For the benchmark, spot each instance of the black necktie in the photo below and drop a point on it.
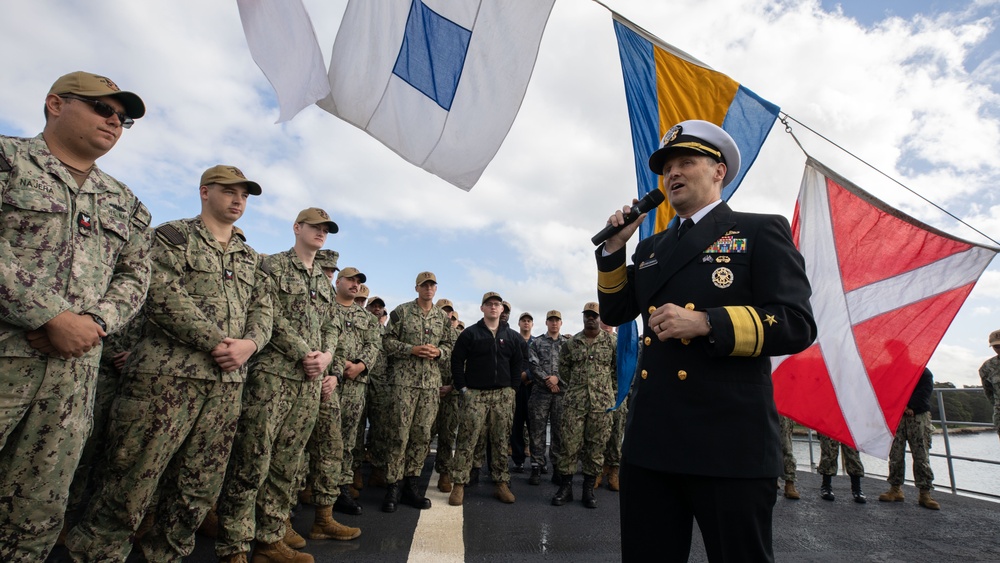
(686, 226)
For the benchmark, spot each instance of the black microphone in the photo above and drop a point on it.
(646, 204)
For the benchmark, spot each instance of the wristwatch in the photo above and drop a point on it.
(100, 322)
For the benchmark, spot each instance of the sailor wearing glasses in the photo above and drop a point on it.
(74, 267)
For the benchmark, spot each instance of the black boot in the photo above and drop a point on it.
(588, 491)
(411, 495)
(826, 489)
(565, 492)
(345, 502)
(536, 475)
(474, 476)
(859, 495)
(391, 499)
(556, 477)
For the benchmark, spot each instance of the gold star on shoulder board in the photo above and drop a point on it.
(770, 320)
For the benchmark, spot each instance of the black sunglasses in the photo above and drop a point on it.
(102, 109)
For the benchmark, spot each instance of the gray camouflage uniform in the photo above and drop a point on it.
(176, 413)
(545, 407)
(588, 369)
(414, 384)
(63, 247)
(280, 405)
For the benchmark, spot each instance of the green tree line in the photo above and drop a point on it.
(966, 405)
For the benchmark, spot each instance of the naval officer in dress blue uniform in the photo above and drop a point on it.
(718, 295)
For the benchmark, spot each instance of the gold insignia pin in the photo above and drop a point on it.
(722, 278)
(770, 320)
(722, 259)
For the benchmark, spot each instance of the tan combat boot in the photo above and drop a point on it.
(894, 494)
(457, 495)
(359, 481)
(292, 538)
(209, 526)
(600, 478)
(502, 493)
(240, 557)
(279, 552)
(790, 491)
(926, 501)
(326, 528)
(444, 483)
(613, 478)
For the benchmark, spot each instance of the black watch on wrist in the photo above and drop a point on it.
(100, 322)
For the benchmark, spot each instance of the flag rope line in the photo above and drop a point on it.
(784, 117)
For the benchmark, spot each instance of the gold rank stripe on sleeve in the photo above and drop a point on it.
(613, 281)
(748, 331)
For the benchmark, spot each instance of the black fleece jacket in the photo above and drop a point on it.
(481, 361)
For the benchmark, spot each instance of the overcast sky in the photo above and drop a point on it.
(911, 87)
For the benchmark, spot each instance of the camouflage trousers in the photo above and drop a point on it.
(379, 407)
(584, 435)
(787, 453)
(484, 414)
(325, 447)
(45, 418)
(172, 431)
(544, 409)
(916, 431)
(259, 491)
(352, 410)
(413, 412)
(89, 471)
(446, 429)
(828, 448)
(613, 450)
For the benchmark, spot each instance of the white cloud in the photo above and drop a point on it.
(897, 94)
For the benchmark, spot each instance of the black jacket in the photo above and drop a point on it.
(707, 407)
(920, 400)
(482, 361)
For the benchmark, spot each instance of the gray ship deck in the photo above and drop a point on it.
(531, 529)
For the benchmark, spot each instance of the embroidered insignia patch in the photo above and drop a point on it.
(83, 220)
(722, 278)
(728, 245)
(229, 275)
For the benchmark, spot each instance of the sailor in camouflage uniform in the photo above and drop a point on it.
(827, 467)
(486, 368)
(281, 398)
(358, 347)
(208, 311)
(446, 422)
(377, 401)
(989, 373)
(587, 365)
(915, 429)
(545, 404)
(74, 267)
(418, 339)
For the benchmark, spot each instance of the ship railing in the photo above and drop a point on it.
(943, 423)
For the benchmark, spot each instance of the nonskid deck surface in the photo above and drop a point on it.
(531, 529)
